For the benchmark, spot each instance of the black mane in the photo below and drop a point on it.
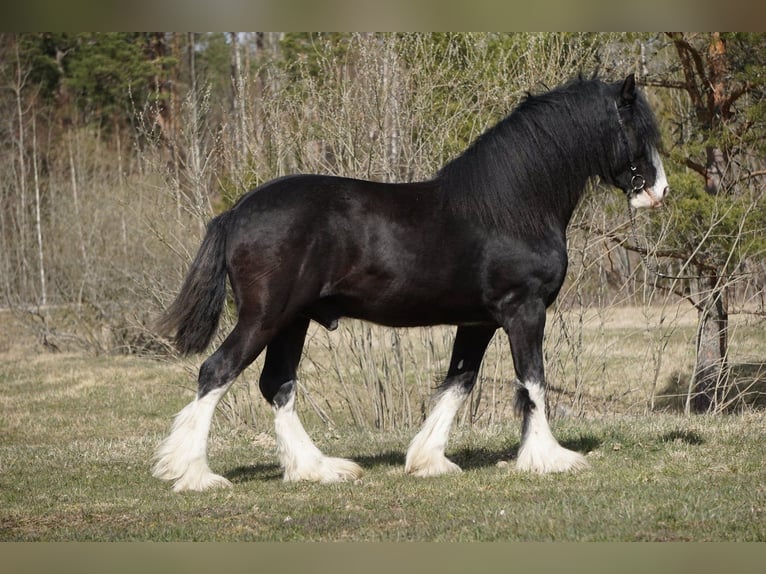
(538, 159)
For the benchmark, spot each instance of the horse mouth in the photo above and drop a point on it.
(657, 199)
(649, 198)
(656, 202)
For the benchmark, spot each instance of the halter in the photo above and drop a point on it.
(638, 184)
(637, 181)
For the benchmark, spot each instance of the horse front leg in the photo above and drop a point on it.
(539, 450)
(425, 455)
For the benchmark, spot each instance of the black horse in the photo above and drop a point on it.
(481, 246)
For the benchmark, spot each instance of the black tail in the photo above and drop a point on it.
(192, 319)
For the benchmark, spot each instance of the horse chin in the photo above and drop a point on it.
(647, 198)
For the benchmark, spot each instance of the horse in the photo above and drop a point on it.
(480, 246)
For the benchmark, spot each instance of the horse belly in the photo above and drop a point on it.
(400, 309)
(406, 281)
(423, 317)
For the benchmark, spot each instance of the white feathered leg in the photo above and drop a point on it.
(425, 455)
(299, 456)
(540, 451)
(182, 456)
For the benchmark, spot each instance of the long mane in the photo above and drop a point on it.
(531, 168)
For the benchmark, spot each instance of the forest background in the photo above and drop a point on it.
(117, 148)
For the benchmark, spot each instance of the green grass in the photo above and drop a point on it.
(77, 435)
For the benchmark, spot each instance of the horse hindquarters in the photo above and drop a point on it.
(182, 456)
(273, 287)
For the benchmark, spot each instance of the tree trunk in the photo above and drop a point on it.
(22, 171)
(237, 105)
(43, 297)
(710, 370)
(713, 90)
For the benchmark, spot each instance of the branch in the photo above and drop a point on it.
(675, 287)
(734, 96)
(683, 44)
(691, 61)
(663, 83)
(693, 165)
(679, 292)
(693, 258)
(622, 241)
(752, 175)
(755, 313)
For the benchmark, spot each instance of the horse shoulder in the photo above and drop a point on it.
(516, 269)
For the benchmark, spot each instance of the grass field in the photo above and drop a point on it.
(77, 434)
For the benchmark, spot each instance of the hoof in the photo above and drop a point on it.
(325, 470)
(554, 458)
(191, 475)
(201, 483)
(434, 466)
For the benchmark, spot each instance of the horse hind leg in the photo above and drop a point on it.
(425, 455)
(299, 456)
(182, 456)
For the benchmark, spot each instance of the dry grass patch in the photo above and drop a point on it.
(77, 435)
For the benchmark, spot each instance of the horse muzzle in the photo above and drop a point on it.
(649, 197)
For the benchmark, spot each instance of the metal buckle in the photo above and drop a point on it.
(637, 181)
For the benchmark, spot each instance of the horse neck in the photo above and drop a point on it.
(529, 172)
(564, 162)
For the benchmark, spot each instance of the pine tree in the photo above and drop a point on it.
(720, 141)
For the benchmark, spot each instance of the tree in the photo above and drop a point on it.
(720, 141)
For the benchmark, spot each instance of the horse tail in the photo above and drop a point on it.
(192, 318)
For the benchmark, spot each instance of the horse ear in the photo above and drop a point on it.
(628, 90)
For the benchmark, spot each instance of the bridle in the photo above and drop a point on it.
(637, 185)
(637, 181)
